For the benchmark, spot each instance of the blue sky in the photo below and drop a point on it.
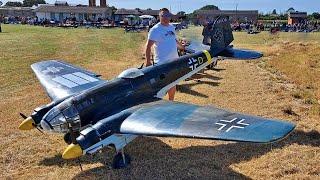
(190, 5)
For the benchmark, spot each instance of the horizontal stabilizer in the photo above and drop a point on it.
(240, 54)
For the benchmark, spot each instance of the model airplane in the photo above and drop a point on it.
(94, 113)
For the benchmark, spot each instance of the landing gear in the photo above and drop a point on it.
(67, 137)
(121, 160)
(212, 65)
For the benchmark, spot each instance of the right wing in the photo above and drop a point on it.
(174, 119)
(61, 79)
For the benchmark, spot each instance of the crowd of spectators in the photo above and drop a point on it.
(303, 26)
(71, 21)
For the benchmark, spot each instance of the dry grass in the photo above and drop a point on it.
(268, 88)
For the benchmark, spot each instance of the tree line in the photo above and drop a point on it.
(25, 3)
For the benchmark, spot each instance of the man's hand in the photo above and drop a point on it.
(180, 46)
(148, 52)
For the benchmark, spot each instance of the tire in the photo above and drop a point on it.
(118, 163)
(67, 138)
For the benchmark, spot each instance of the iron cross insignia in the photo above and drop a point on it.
(52, 69)
(228, 125)
(193, 63)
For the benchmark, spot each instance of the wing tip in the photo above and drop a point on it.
(43, 62)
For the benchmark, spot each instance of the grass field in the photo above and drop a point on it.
(284, 84)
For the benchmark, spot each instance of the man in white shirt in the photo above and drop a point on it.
(163, 37)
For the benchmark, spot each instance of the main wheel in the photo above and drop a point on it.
(119, 163)
(67, 137)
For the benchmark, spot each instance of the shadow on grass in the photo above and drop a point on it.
(153, 159)
(198, 79)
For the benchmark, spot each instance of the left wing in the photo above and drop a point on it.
(164, 118)
(61, 79)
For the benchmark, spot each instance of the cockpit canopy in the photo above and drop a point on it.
(58, 118)
(131, 73)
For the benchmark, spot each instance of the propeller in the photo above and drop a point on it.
(28, 123)
(23, 116)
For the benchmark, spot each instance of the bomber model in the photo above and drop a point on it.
(94, 113)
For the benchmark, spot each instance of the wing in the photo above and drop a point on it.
(244, 54)
(61, 79)
(176, 119)
(229, 52)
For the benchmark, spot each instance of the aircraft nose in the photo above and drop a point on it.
(54, 121)
(45, 125)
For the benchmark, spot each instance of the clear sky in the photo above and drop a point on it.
(190, 5)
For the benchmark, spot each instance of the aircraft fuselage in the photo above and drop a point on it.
(131, 88)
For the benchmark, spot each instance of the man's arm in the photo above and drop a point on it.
(148, 52)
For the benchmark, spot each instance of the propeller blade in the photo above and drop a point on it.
(40, 130)
(23, 116)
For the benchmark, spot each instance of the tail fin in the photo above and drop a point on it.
(218, 35)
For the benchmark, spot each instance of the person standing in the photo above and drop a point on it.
(163, 38)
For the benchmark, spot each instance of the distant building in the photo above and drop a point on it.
(154, 13)
(297, 17)
(60, 12)
(16, 11)
(234, 15)
(103, 3)
(120, 14)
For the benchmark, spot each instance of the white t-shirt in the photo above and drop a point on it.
(165, 46)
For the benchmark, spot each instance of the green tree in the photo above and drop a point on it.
(13, 4)
(315, 15)
(182, 13)
(209, 7)
(291, 10)
(114, 9)
(30, 3)
(274, 11)
(193, 15)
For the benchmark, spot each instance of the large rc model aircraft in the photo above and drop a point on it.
(95, 113)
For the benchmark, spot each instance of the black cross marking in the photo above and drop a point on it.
(193, 63)
(218, 35)
(52, 69)
(230, 124)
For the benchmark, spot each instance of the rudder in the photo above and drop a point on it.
(218, 35)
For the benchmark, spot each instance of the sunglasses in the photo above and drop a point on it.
(166, 15)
